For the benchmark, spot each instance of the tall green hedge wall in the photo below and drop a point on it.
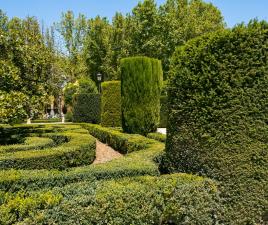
(141, 81)
(111, 104)
(87, 108)
(163, 111)
(218, 117)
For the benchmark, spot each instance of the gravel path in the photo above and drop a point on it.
(105, 153)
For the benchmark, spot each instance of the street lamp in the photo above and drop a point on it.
(99, 78)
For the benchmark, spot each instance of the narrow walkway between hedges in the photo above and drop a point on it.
(105, 153)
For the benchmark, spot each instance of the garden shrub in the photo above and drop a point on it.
(86, 108)
(29, 143)
(124, 143)
(15, 207)
(163, 112)
(169, 199)
(218, 117)
(141, 81)
(75, 148)
(111, 104)
(137, 163)
(51, 120)
(157, 136)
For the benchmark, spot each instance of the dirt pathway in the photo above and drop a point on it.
(105, 153)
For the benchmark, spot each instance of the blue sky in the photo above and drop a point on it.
(234, 11)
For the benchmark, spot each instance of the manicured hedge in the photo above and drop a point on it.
(169, 199)
(75, 148)
(218, 117)
(137, 163)
(157, 136)
(52, 120)
(163, 112)
(29, 144)
(111, 104)
(87, 108)
(124, 143)
(141, 81)
(97, 194)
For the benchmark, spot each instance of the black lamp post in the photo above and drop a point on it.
(99, 78)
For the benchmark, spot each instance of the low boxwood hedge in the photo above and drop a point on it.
(30, 143)
(157, 136)
(71, 147)
(79, 150)
(169, 199)
(122, 142)
(137, 163)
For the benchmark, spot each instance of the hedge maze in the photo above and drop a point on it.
(52, 180)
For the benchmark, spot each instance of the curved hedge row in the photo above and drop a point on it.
(218, 116)
(97, 194)
(30, 143)
(141, 161)
(75, 148)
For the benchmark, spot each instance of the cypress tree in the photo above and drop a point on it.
(141, 81)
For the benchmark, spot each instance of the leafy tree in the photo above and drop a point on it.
(182, 20)
(83, 85)
(73, 31)
(25, 67)
(143, 29)
(97, 49)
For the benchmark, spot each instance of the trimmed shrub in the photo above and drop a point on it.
(86, 108)
(141, 81)
(76, 147)
(169, 199)
(157, 136)
(218, 117)
(52, 120)
(163, 111)
(124, 143)
(30, 143)
(137, 163)
(111, 104)
(86, 86)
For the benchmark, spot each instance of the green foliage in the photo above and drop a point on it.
(83, 85)
(29, 144)
(86, 108)
(75, 148)
(69, 91)
(140, 161)
(12, 106)
(157, 136)
(51, 120)
(111, 104)
(86, 86)
(98, 194)
(176, 199)
(218, 116)
(141, 86)
(163, 111)
(124, 143)
(15, 207)
(23, 80)
(97, 49)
